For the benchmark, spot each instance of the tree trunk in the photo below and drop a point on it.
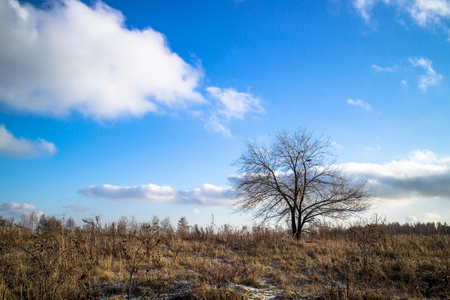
(298, 233)
(294, 226)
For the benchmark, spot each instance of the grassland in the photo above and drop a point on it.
(126, 260)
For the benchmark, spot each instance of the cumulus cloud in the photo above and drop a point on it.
(230, 104)
(358, 102)
(76, 58)
(431, 77)
(421, 176)
(21, 147)
(207, 195)
(18, 209)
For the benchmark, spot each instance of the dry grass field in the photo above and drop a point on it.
(126, 260)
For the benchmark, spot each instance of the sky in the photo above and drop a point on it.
(139, 108)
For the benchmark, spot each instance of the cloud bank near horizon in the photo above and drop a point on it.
(421, 176)
(207, 195)
(15, 210)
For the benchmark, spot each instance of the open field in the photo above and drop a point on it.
(144, 261)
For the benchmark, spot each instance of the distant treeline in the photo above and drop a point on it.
(428, 228)
(125, 225)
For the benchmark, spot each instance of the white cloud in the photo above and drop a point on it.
(360, 103)
(230, 104)
(18, 209)
(216, 124)
(337, 145)
(207, 195)
(196, 211)
(75, 58)
(234, 104)
(411, 219)
(429, 11)
(150, 192)
(427, 217)
(12, 146)
(431, 78)
(421, 176)
(364, 7)
(432, 217)
(380, 69)
(423, 12)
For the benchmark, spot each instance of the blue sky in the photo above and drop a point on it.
(130, 108)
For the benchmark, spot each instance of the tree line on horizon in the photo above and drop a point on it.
(124, 225)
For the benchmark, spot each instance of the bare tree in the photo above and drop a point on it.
(167, 227)
(183, 227)
(295, 178)
(70, 225)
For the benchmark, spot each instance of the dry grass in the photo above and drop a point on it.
(113, 262)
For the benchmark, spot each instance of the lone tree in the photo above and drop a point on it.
(295, 177)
